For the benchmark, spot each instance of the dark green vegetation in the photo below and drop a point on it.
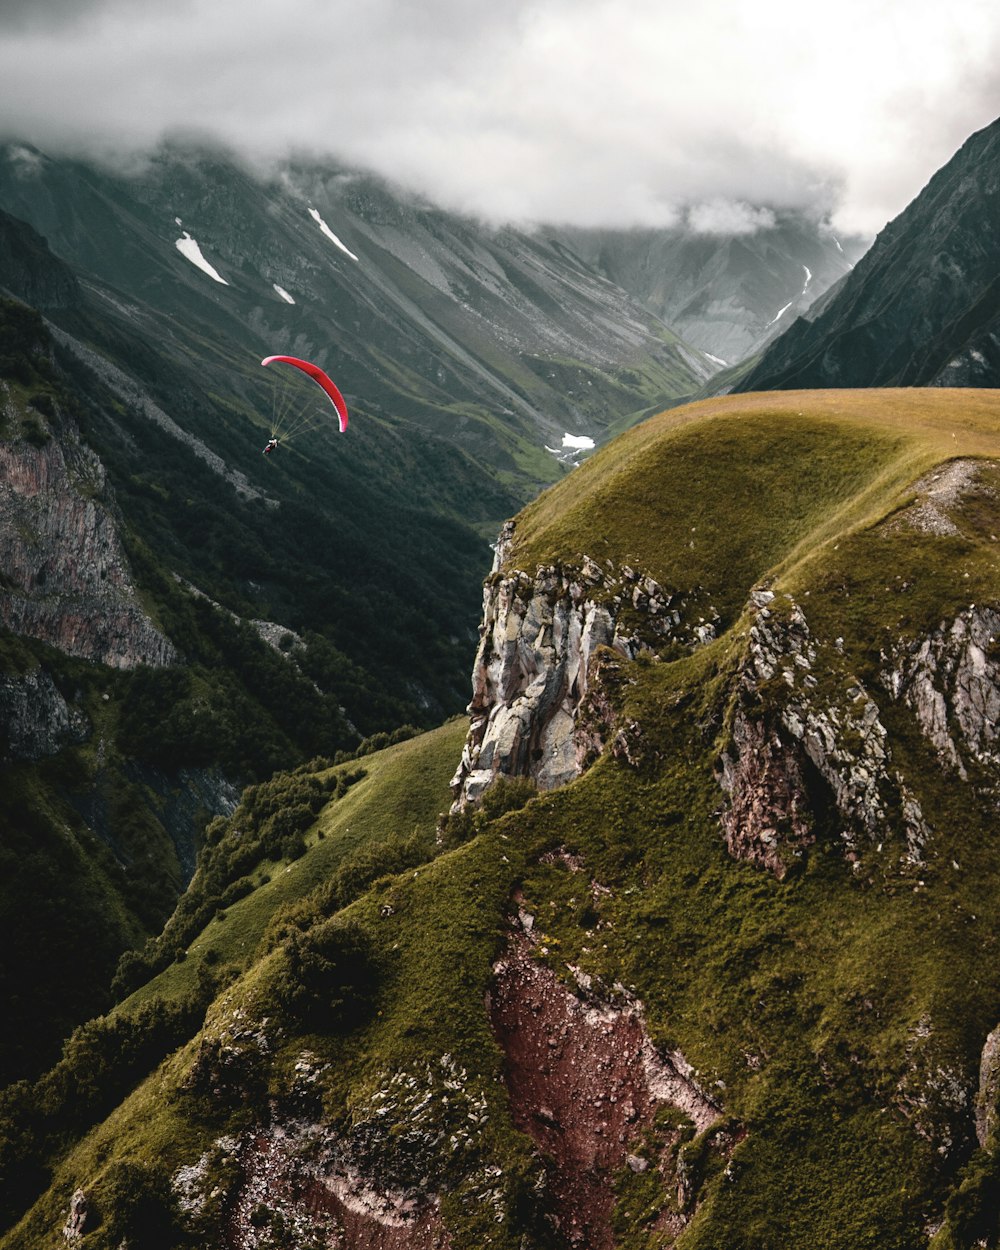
(838, 1015)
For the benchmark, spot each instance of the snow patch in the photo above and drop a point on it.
(329, 233)
(572, 446)
(718, 360)
(781, 312)
(190, 249)
(579, 442)
(283, 293)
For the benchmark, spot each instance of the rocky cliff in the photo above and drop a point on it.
(536, 711)
(64, 574)
(35, 719)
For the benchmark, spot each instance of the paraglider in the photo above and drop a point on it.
(322, 380)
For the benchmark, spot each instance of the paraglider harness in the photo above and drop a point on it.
(272, 442)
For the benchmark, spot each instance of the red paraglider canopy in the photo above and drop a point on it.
(320, 378)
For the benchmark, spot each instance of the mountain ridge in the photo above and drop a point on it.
(920, 308)
(755, 918)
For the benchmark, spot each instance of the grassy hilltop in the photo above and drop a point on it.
(331, 961)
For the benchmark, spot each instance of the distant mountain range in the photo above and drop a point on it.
(922, 308)
(728, 295)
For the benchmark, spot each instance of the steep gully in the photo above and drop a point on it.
(585, 1082)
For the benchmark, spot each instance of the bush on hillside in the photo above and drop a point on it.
(506, 794)
(330, 977)
(350, 880)
(135, 1206)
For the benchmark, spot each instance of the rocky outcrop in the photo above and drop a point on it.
(538, 638)
(768, 821)
(987, 1102)
(78, 1217)
(800, 712)
(585, 1083)
(934, 1094)
(358, 1187)
(64, 576)
(296, 1177)
(35, 719)
(951, 681)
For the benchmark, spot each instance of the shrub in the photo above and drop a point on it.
(329, 977)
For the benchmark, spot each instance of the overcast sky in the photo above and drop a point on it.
(616, 112)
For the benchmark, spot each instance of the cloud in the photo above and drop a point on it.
(594, 112)
(728, 217)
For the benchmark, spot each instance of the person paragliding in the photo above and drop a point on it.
(283, 429)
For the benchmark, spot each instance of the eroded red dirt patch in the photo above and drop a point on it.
(585, 1082)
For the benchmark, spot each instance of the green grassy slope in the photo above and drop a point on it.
(727, 491)
(837, 1014)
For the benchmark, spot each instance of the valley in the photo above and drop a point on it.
(681, 933)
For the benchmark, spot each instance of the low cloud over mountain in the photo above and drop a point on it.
(582, 113)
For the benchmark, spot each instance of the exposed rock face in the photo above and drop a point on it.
(35, 718)
(374, 1184)
(951, 680)
(64, 577)
(585, 1082)
(835, 730)
(76, 1221)
(769, 817)
(988, 1096)
(533, 668)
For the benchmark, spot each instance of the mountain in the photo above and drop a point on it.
(181, 617)
(922, 308)
(495, 340)
(683, 938)
(728, 294)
